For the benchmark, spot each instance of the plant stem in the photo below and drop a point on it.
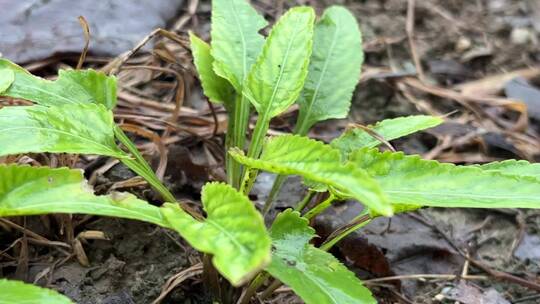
(228, 292)
(241, 121)
(211, 279)
(257, 139)
(280, 179)
(358, 222)
(301, 126)
(232, 166)
(253, 286)
(122, 137)
(238, 130)
(302, 204)
(255, 147)
(151, 178)
(320, 207)
(300, 129)
(141, 167)
(268, 291)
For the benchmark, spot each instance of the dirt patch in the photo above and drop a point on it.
(131, 267)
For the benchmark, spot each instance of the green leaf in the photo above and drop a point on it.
(236, 41)
(276, 79)
(514, 167)
(315, 275)
(26, 190)
(318, 162)
(389, 129)
(6, 79)
(334, 68)
(22, 293)
(70, 128)
(233, 232)
(217, 89)
(410, 180)
(87, 86)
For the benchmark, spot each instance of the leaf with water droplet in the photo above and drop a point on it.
(315, 275)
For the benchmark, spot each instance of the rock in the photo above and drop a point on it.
(448, 70)
(520, 89)
(463, 44)
(520, 35)
(529, 248)
(34, 30)
(467, 293)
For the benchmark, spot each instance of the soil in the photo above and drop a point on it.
(131, 267)
(457, 41)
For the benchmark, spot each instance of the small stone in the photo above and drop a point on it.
(497, 5)
(439, 297)
(463, 44)
(527, 249)
(520, 35)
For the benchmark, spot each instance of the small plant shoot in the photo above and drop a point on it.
(312, 61)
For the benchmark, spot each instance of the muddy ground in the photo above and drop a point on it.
(456, 42)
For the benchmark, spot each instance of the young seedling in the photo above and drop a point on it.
(313, 63)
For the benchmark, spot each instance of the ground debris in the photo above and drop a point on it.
(467, 293)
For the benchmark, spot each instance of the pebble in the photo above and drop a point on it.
(520, 35)
(463, 44)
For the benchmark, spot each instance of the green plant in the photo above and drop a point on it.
(18, 292)
(315, 64)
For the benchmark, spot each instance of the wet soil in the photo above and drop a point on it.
(131, 267)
